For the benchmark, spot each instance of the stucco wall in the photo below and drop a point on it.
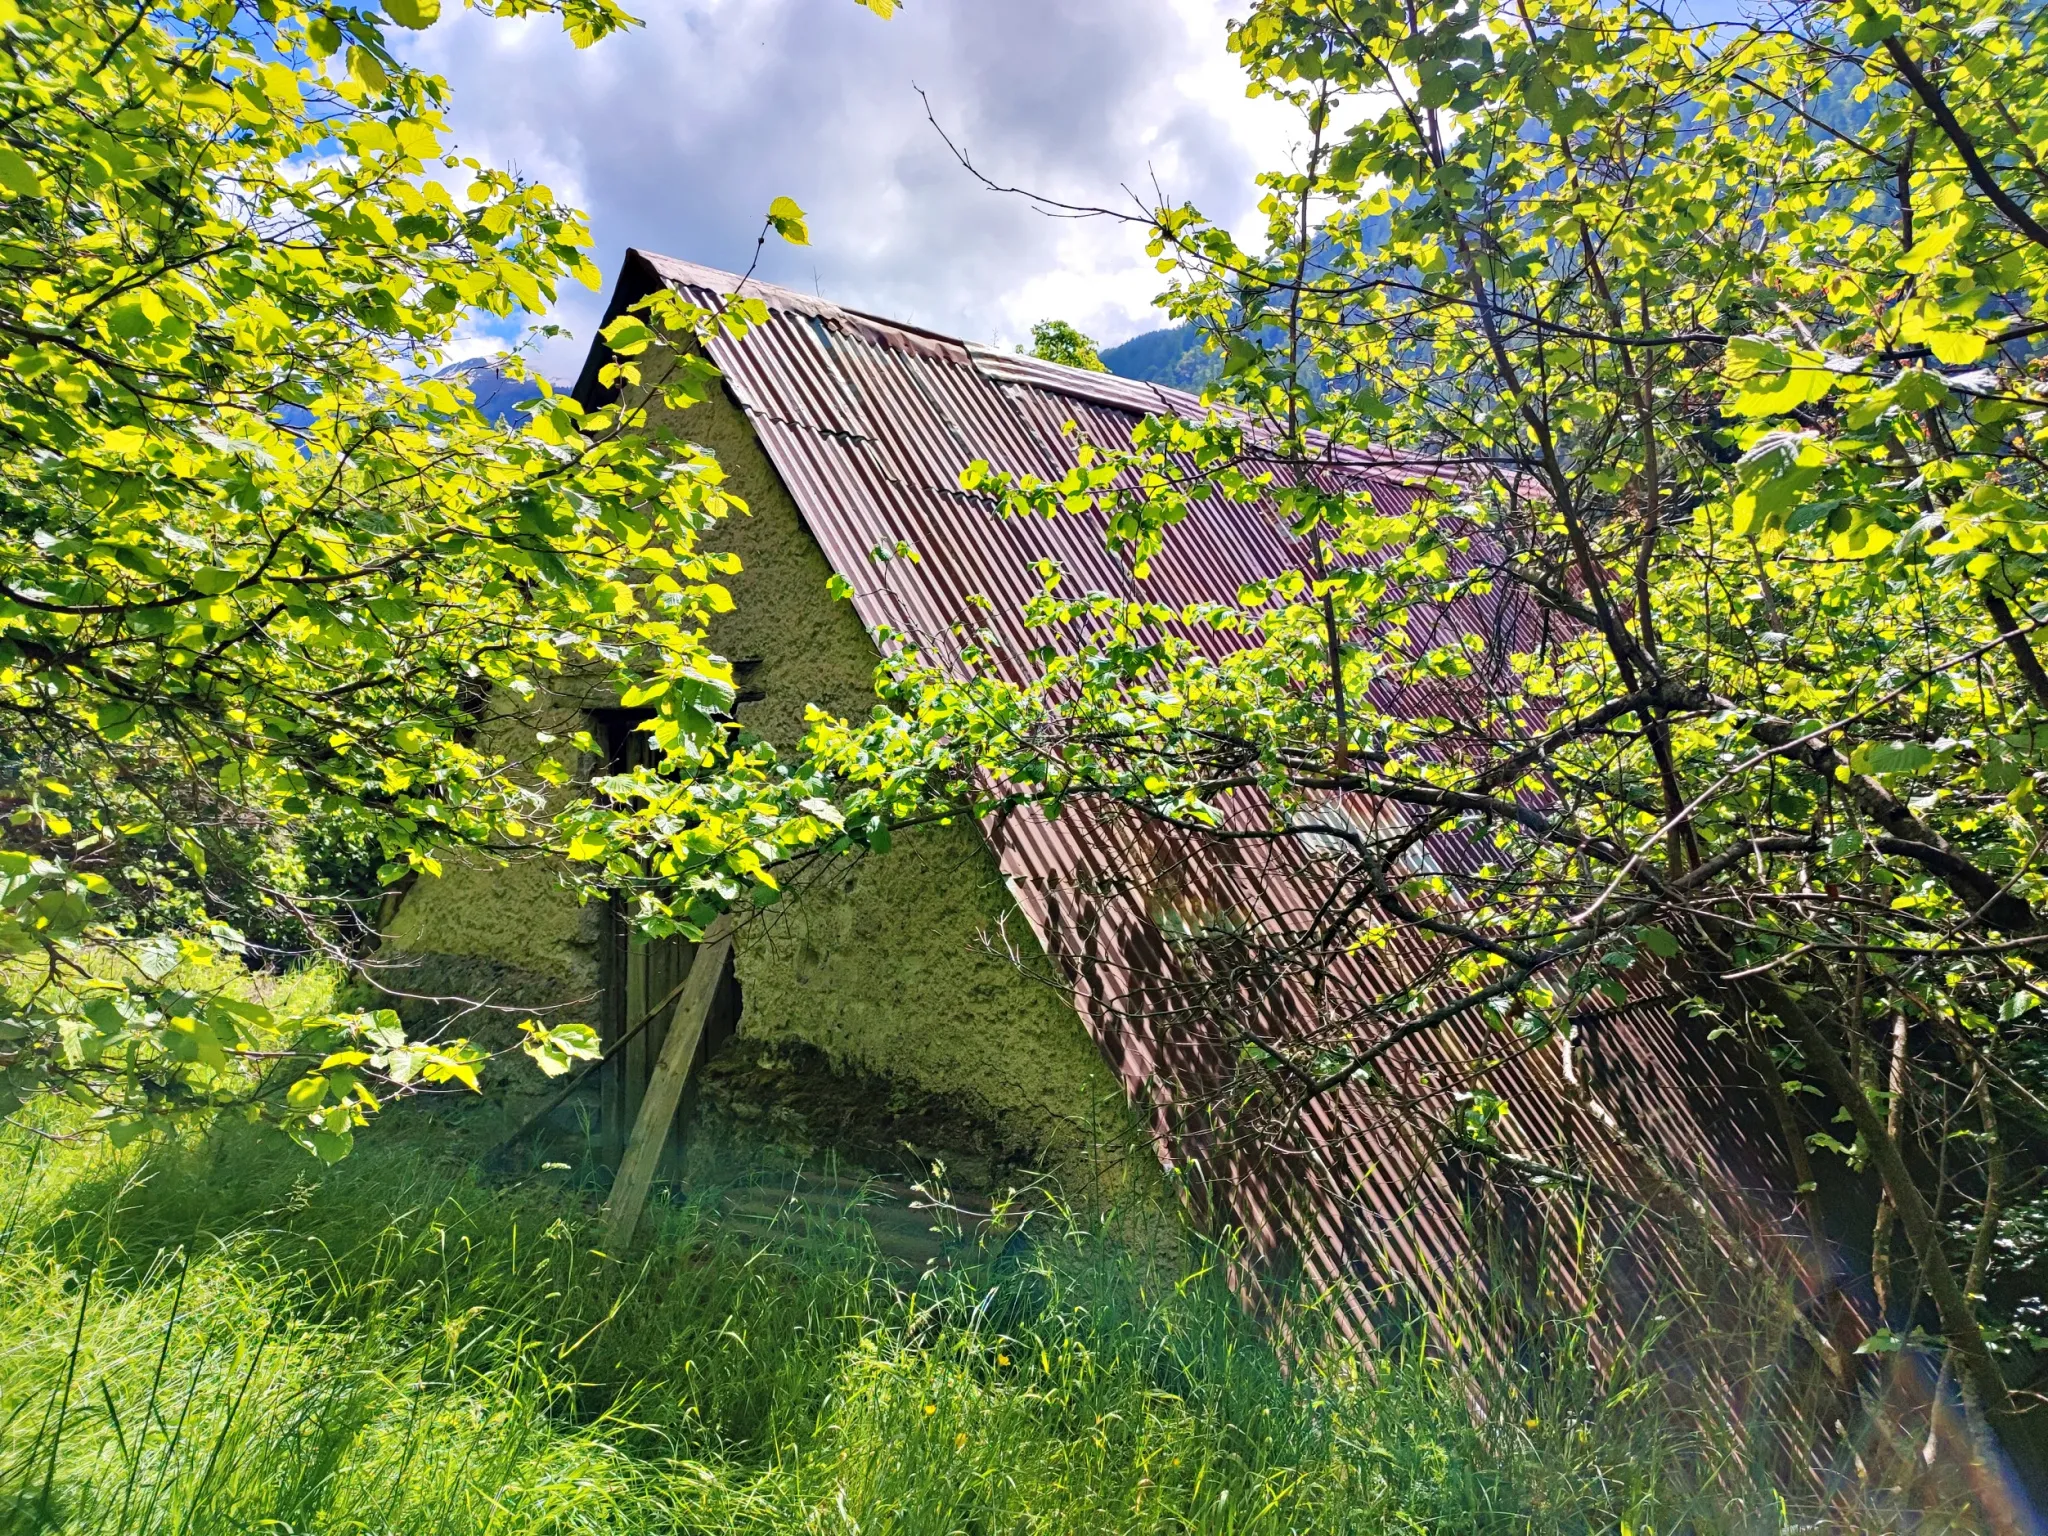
(502, 932)
(487, 932)
(878, 961)
(882, 961)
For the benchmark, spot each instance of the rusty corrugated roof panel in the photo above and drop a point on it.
(869, 423)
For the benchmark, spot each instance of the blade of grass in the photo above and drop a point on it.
(156, 1378)
(199, 1492)
(64, 1400)
(28, 1178)
(171, 1443)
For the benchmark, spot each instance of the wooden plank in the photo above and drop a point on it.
(612, 1119)
(637, 1062)
(665, 1088)
(669, 962)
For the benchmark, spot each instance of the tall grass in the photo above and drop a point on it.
(220, 1338)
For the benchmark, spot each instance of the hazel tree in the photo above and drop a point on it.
(1714, 355)
(264, 570)
(1715, 349)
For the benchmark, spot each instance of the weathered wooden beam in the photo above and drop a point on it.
(665, 1088)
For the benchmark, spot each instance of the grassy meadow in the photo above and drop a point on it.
(223, 1337)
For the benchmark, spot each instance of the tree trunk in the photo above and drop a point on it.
(1982, 1384)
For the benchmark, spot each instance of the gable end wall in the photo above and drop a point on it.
(882, 962)
(879, 962)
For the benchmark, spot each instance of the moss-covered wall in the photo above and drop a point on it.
(882, 962)
(507, 933)
(878, 962)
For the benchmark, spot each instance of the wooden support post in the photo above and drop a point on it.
(665, 1088)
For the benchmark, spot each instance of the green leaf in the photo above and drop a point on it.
(1775, 394)
(1957, 347)
(1920, 389)
(1871, 24)
(1660, 942)
(308, 1093)
(627, 336)
(555, 1050)
(418, 141)
(2001, 775)
(788, 221)
(414, 15)
(369, 69)
(132, 318)
(1890, 757)
(17, 177)
(455, 1062)
(578, 1040)
(157, 956)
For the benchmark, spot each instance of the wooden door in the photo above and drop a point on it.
(641, 978)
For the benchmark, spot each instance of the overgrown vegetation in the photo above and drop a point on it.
(1717, 351)
(1658, 408)
(204, 1338)
(271, 583)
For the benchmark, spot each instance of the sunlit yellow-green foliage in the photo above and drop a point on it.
(1710, 641)
(1056, 341)
(264, 569)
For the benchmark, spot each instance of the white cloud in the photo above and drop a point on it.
(676, 137)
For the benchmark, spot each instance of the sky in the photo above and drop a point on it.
(675, 138)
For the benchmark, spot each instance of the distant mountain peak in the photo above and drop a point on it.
(498, 395)
(1172, 356)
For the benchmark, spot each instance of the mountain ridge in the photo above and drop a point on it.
(1172, 356)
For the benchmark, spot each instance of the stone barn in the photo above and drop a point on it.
(928, 966)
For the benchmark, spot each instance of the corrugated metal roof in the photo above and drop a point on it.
(869, 423)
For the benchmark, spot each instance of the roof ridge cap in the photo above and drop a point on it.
(674, 269)
(1112, 389)
(776, 296)
(1097, 387)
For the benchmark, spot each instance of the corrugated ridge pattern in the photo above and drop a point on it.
(869, 425)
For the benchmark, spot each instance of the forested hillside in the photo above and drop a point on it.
(1171, 356)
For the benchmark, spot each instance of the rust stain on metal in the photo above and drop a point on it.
(870, 423)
